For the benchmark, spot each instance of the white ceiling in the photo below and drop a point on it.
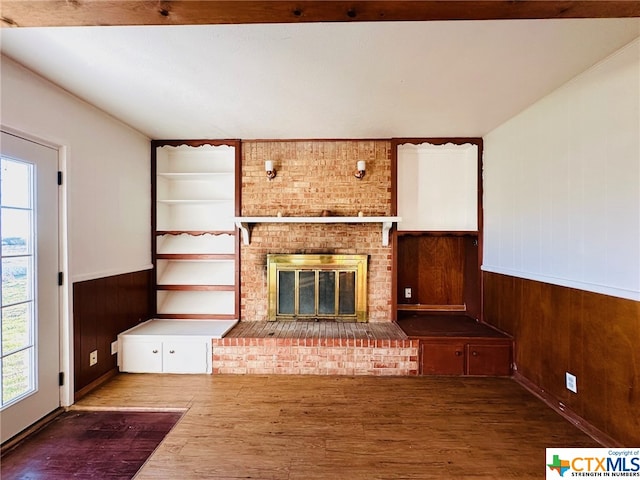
(318, 80)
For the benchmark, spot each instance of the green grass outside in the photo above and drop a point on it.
(15, 335)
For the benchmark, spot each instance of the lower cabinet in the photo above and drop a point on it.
(465, 357)
(170, 346)
(169, 356)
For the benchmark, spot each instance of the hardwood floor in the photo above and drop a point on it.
(315, 427)
(81, 444)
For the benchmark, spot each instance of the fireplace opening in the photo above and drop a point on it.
(317, 287)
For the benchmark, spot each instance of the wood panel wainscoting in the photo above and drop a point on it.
(595, 337)
(102, 308)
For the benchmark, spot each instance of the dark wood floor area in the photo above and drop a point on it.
(85, 444)
(289, 427)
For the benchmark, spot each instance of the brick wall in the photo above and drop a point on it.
(313, 176)
(314, 356)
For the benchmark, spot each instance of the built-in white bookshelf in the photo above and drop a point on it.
(204, 273)
(185, 303)
(195, 235)
(224, 243)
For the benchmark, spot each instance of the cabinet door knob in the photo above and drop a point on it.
(155, 351)
(458, 353)
(172, 351)
(474, 353)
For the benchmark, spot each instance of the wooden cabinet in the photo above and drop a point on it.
(491, 357)
(442, 358)
(139, 356)
(438, 254)
(170, 346)
(166, 355)
(195, 242)
(438, 248)
(488, 359)
(169, 356)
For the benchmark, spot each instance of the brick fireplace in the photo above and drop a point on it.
(313, 176)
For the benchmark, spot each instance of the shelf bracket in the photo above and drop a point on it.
(246, 232)
(386, 227)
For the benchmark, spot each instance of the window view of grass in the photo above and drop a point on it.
(17, 348)
(17, 337)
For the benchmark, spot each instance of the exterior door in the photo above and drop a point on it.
(30, 331)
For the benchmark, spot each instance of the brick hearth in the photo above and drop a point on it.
(315, 348)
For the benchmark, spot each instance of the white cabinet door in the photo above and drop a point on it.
(142, 357)
(185, 357)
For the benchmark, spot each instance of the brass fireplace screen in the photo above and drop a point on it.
(317, 287)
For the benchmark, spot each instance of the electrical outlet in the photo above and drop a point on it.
(572, 382)
(114, 347)
(407, 292)
(93, 358)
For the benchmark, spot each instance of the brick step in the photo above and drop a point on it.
(315, 348)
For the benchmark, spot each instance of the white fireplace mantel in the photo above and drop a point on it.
(243, 223)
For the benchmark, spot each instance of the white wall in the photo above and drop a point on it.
(562, 184)
(107, 173)
(438, 187)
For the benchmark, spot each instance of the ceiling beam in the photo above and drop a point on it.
(48, 13)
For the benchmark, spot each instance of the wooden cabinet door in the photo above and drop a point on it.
(185, 357)
(442, 359)
(142, 357)
(494, 360)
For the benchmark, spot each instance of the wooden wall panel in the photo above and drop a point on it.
(102, 308)
(592, 367)
(558, 330)
(434, 267)
(472, 290)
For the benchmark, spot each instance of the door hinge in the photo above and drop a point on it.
(59, 178)
(61, 378)
(60, 278)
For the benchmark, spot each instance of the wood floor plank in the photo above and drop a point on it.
(313, 427)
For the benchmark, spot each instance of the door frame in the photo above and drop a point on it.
(64, 291)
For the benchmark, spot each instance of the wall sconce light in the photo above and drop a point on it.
(360, 167)
(269, 168)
